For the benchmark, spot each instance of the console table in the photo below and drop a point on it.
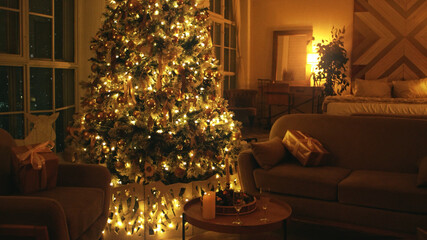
(293, 97)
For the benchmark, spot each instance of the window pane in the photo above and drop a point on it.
(226, 35)
(217, 34)
(64, 30)
(233, 82)
(10, 3)
(226, 83)
(40, 37)
(217, 6)
(9, 32)
(226, 59)
(228, 11)
(40, 88)
(233, 38)
(232, 60)
(64, 87)
(14, 124)
(12, 89)
(65, 118)
(211, 5)
(41, 6)
(218, 53)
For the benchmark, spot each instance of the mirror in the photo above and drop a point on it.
(290, 55)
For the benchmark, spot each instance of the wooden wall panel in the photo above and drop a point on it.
(389, 39)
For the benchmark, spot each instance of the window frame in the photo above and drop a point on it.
(220, 19)
(24, 60)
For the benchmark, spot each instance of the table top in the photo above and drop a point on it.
(277, 212)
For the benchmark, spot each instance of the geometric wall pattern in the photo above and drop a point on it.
(389, 39)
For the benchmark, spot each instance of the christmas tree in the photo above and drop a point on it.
(152, 110)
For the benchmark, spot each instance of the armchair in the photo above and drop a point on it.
(77, 208)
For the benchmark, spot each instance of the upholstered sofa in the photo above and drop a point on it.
(77, 208)
(369, 182)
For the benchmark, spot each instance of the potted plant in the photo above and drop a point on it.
(332, 64)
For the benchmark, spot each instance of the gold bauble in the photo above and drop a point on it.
(151, 103)
(121, 99)
(86, 135)
(119, 165)
(100, 116)
(89, 117)
(136, 113)
(120, 143)
(129, 64)
(99, 100)
(94, 67)
(111, 115)
(105, 149)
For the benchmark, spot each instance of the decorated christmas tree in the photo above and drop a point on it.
(152, 110)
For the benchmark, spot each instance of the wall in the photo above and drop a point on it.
(269, 15)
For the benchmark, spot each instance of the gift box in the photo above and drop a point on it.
(35, 167)
(307, 150)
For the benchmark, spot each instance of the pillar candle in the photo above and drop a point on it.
(208, 210)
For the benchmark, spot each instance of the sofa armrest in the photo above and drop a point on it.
(22, 210)
(83, 175)
(86, 175)
(246, 165)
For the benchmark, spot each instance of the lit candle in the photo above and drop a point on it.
(208, 210)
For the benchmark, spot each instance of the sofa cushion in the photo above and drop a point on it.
(386, 190)
(269, 153)
(292, 178)
(82, 206)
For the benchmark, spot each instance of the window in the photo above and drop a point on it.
(37, 64)
(224, 39)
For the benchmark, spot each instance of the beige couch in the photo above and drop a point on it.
(368, 183)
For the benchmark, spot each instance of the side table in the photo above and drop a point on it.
(278, 213)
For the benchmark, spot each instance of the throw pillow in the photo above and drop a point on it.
(372, 88)
(269, 153)
(422, 173)
(410, 88)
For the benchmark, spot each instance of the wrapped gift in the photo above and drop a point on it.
(35, 167)
(307, 150)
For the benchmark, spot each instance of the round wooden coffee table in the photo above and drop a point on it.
(278, 213)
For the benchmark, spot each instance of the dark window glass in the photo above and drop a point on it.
(226, 83)
(226, 35)
(10, 3)
(41, 88)
(41, 6)
(64, 30)
(12, 89)
(217, 6)
(64, 87)
(233, 38)
(226, 59)
(217, 34)
(228, 10)
(233, 82)
(9, 32)
(218, 53)
(14, 124)
(211, 5)
(232, 60)
(65, 119)
(40, 37)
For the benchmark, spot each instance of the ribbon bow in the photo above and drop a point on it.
(36, 159)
